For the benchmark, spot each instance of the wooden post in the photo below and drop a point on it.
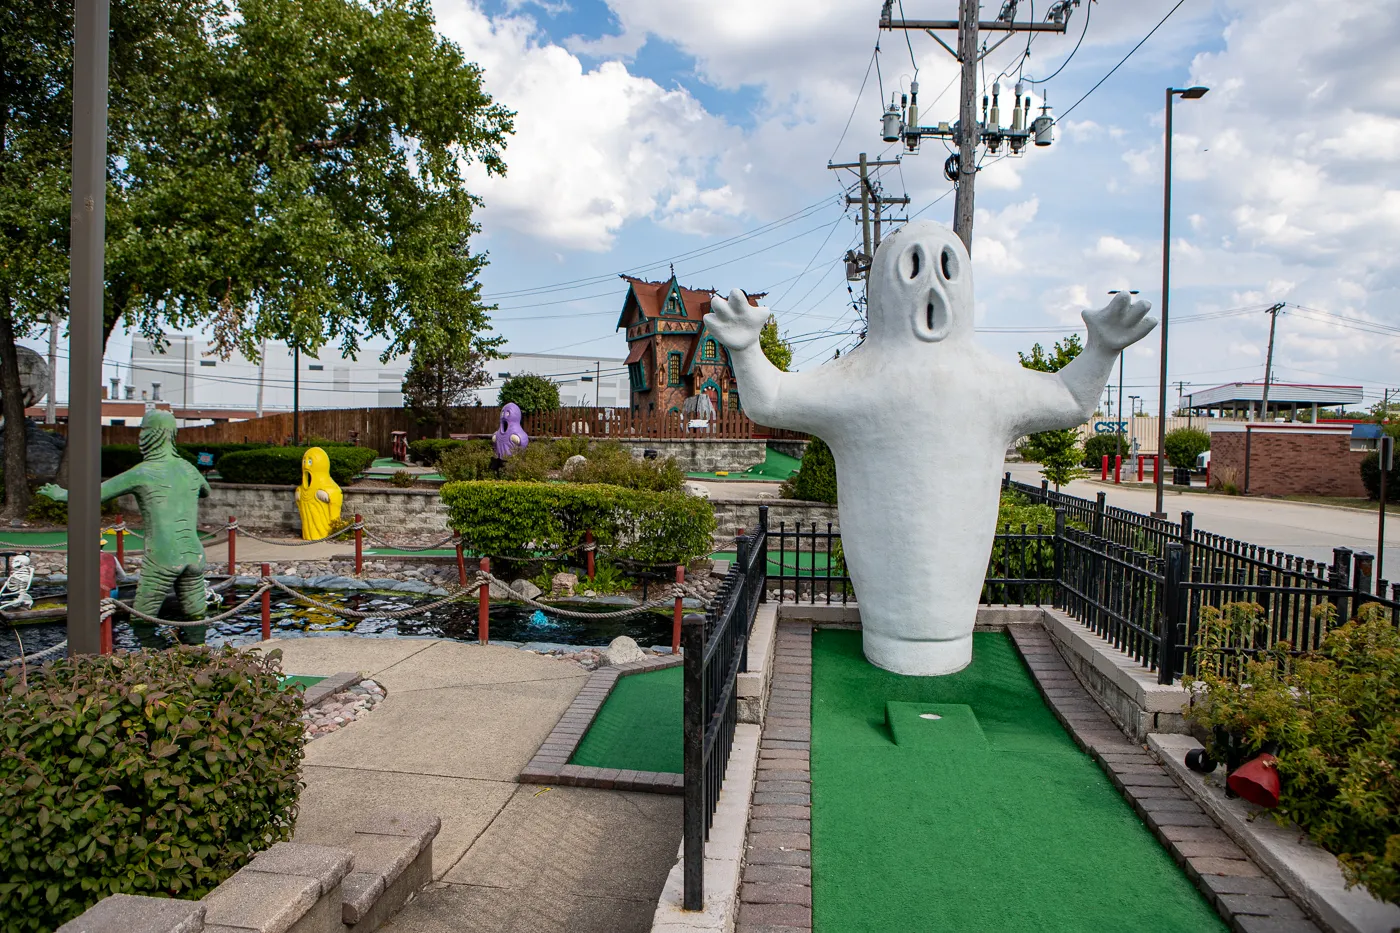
(483, 608)
(232, 546)
(588, 552)
(121, 544)
(266, 605)
(359, 545)
(461, 565)
(676, 624)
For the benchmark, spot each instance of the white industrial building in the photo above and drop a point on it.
(584, 381)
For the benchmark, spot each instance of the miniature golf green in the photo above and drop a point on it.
(384, 467)
(639, 726)
(17, 540)
(986, 818)
(793, 562)
(776, 467)
(300, 680)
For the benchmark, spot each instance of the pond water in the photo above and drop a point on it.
(457, 621)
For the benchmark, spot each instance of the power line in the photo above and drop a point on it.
(1120, 62)
(859, 95)
(1082, 33)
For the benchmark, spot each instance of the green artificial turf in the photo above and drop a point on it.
(17, 540)
(776, 467)
(300, 680)
(639, 727)
(987, 819)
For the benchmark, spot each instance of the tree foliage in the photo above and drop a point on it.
(1184, 445)
(531, 392)
(815, 479)
(438, 382)
(1058, 452)
(778, 350)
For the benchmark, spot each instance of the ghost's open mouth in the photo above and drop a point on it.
(935, 318)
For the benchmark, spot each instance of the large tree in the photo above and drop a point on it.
(279, 169)
(1057, 452)
(438, 382)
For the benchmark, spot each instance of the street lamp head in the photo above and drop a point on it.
(1192, 93)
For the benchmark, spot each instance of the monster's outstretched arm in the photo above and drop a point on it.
(770, 396)
(119, 485)
(1068, 397)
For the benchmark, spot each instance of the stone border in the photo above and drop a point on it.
(1230, 880)
(551, 762)
(318, 693)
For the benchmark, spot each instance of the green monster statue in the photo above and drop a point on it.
(167, 489)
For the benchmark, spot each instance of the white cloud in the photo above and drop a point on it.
(1112, 249)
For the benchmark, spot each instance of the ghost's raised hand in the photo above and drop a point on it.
(734, 322)
(1120, 323)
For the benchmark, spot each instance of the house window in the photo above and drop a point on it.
(637, 375)
(673, 306)
(708, 352)
(206, 362)
(673, 369)
(734, 400)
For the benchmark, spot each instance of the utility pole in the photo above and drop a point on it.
(262, 368)
(1269, 360)
(858, 266)
(903, 124)
(50, 416)
(296, 394)
(597, 381)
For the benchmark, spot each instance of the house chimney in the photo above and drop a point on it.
(155, 392)
(131, 392)
(116, 387)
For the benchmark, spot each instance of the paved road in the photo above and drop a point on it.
(1295, 527)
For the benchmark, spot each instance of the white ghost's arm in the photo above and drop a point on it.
(1068, 397)
(771, 397)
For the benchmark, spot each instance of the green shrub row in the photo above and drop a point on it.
(281, 466)
(429, 450)
(1335, 715)
(815, 479)
(118, 458)
(606, 462)
(158, 773)
(515, 520)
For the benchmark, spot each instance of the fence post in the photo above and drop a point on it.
(1361, 575)
(359, 544)
(588, 551)
(763, 554)
(232, 546)
(676, 623)
(1100, 505)
(1172, 605)
(483, 604)
(1057, 597)
(1188, 533)
(266, 605)
(694, 816)
(1339, 578)
(1045, 490)
(461, 564)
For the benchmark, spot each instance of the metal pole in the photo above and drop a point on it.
(1118, 429)
(50, 415)
(967, 126)
(91, 20)
(296, 395)
(693, 812)
(262, 369)
(1159, 512)
(1387, 459)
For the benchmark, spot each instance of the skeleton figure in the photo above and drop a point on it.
(167, 488)
(918, 418)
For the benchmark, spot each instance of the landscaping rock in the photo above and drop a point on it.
(526, 588)
(571, 466)
(563, 584)
(622, 650)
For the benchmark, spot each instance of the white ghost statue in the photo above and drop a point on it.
(918, 418)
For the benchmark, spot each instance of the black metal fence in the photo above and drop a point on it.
(716, 651)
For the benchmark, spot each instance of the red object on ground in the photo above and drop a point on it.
(588, 552)
(1207, 474)
(461, 565)
(483, 608)
(676, 624)
(107, 580)
(1104, 477)
(266, 606)
(400, 445)
(1118, 468)
(232, 548)
(359, 546)
(1140, 466)
(1257, 780)
(121, 544)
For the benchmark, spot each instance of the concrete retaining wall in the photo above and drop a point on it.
(273, 507)
(791, 448)
(704, 454)
(731, 515)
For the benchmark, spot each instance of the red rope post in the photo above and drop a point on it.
(359, 546)
(1104, 477)
(1140, 466)
(232, 546)
(121, 545)
(676, 622)
(105, 638)
(588, 553)
(461, 565)
(1117, 468)
(266, 606)
(483, 607)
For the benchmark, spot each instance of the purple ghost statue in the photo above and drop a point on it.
(510, 436)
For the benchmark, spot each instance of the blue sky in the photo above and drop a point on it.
(649, 132)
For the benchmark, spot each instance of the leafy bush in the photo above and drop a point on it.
(1335, 715)
(531, 464)
(402, 479)
(531, 392)
(518, 519)
(429, 450)
(815, 480)
(281, 466)
(1184, 445)
(614, 465)
(157, 773)
(118, 458)
(1226, 479)
(1371, 477)
(467, 462)
(45, 511)
(1098, 446)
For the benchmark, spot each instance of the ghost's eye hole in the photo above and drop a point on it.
(914, 264)
(950, 264)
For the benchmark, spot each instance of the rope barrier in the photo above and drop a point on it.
(36, 656)
(385, 542)
(210, 620)
(354, 526)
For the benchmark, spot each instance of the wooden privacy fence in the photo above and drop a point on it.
(374, 427)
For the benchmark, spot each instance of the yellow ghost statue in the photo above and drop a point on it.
(318, 497)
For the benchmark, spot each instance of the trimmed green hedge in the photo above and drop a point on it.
(815, 479)
(158, 773)
(1098, 446)
(281, 466)
(515, 520)
(118, 458)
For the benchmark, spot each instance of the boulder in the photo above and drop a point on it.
(571, 466)
(526, 588)
(622, 650)
(563, 584)
(695, 489)
(43, 450)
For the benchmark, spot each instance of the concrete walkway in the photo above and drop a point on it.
(459, 723)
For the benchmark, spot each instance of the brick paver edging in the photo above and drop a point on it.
(551, 762)
(323, 690)
(1231, 881)
(776, 891)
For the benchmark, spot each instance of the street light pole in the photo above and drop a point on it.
(1190, 93)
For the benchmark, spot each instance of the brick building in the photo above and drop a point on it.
(1281, 459)
(671, 354)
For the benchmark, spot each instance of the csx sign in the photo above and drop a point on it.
(1110, 427)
